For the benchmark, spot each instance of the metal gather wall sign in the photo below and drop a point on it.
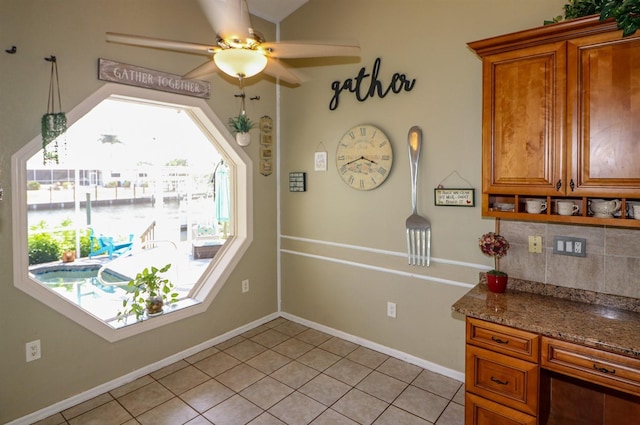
(357, 85)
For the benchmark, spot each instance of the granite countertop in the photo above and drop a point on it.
(602, 321)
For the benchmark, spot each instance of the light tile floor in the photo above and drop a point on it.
(279, 373)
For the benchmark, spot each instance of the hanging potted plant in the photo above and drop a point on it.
(53, 124)
(240, 126)
(496, 246)
(150, 291)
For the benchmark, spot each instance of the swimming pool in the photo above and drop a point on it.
(80, 284)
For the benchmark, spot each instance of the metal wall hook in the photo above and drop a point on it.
(50, 59)
(12, 50)
(254, 98)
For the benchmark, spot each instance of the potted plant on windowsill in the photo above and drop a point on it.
(240, 126)
(496, 246)
(150, 291)
(625, 12)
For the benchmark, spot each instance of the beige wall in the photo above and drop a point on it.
(342, 254)
(347, 286)
(73, 359)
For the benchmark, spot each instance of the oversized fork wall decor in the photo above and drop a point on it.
(418, 227)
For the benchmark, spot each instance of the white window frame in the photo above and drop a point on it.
(220, 267)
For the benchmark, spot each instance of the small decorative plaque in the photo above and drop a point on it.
(455, 197)
(297, 182)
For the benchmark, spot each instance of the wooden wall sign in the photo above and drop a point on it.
(266, 145)
(455, 197)
(148, 78)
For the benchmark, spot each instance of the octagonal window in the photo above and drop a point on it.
(140, 179)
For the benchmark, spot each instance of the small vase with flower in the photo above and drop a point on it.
(496, 246)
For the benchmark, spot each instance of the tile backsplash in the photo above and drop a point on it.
(612, 264)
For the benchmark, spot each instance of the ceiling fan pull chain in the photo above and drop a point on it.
(243, 110)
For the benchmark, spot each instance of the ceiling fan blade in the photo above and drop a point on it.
(159, 43)
(277, 69)
(203, 70)
(228, 18)
(304, 49)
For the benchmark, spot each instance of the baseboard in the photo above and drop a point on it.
(118, 382)
(451, 373)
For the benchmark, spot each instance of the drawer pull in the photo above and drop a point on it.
(497, 381)
(499, 341)
(604, 369)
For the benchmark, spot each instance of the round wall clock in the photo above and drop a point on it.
(364, 157)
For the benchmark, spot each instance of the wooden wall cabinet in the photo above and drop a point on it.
(560, 108)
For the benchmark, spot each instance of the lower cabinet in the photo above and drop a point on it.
(514, 377)
(502, 374)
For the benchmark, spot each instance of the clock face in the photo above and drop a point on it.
(364, 157)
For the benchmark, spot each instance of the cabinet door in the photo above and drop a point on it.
(604, 105)
(480, 411)
(524, 114)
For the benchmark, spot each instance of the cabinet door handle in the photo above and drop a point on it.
(499, 341)
(572, 185)
(604, 369)
(559, 184)
(499, 382)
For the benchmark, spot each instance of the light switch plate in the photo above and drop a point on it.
(535, 244)
(565, 245)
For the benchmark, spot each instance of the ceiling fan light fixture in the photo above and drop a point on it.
(240, 62)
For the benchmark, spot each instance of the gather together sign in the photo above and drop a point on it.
(142, 77)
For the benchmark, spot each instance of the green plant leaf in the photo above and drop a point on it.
(625, 12)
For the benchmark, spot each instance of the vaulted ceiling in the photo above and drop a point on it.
(274, 10)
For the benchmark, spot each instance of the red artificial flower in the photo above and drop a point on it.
(494, 245)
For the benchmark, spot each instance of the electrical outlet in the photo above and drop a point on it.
(535, 244)
(565, 245)
(245, 286)
(33, 350)
(391, 309)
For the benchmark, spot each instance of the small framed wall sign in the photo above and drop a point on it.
(455, 197)
(320, 161)
(297, 182)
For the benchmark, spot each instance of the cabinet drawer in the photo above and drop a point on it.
(503, 339)
(506, 380)
(592, 365)
(480, 411)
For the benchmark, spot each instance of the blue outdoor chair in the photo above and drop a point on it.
(107, 246)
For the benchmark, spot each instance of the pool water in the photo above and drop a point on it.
(71, 276)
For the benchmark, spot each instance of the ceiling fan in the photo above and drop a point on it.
(239, 51)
